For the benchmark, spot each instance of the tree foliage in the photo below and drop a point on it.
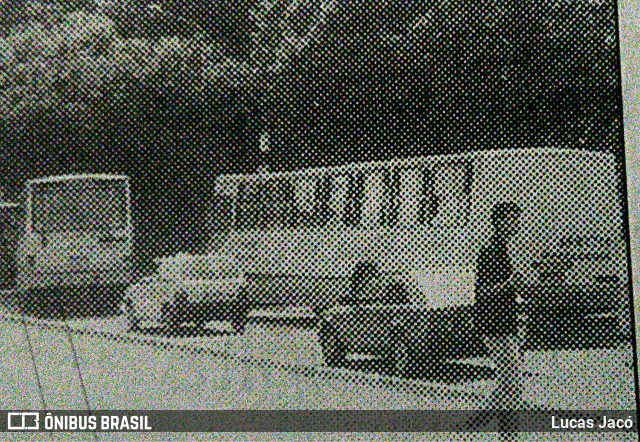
(65, 55)
(457, 75)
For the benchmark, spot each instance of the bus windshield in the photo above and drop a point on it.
(79, 205)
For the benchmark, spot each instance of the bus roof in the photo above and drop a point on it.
(89, 176)
(418, 158)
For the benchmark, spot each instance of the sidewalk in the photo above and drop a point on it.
(586, 379)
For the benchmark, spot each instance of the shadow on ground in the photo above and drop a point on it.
(446, 372)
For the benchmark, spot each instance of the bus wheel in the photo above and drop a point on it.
(39, 303)
(239, 323)
(24, 302)
(400, 357)
(174, 325)
(333, 350)
(172, 318)
(132, 322)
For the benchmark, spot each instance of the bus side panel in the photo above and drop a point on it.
(9, 236)
(332, 254)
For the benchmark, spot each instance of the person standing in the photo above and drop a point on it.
(497, 301)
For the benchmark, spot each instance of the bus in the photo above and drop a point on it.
(74, 250)
(301, 234)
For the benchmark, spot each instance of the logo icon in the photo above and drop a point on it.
(23, 421)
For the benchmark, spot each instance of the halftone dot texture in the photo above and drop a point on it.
(416, 186)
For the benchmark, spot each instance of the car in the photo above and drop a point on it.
(187, 290)
(407, 322)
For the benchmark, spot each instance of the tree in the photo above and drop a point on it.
(82, 55)
(456, 75)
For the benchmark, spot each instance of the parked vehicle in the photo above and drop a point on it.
(187, 290)
(386, 317)
(74, 245)
(412, 324)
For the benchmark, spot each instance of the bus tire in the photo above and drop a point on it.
(174, 324)
(238, 323)
(172, 318)
(239, 314)
(332, 349)
(40, 303)
(23, 302)
(131, 321)
(400, 358)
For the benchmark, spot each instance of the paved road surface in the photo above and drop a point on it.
(270, 367)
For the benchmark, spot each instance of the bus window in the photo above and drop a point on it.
(323, 194)
(338, 199)
(82, 205)
(225, 198)
(372, 200)
(410, 196)
(391, 186)
(429, 201)
(260, 204)
(249, 205)
(354, 201)
(270, 215)
(451, 193)
(278, 203)
(305, 192)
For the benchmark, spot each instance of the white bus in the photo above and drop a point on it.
(74, 251)
(424, 213)
(300, 234)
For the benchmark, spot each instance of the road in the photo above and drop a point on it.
(270, 367)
